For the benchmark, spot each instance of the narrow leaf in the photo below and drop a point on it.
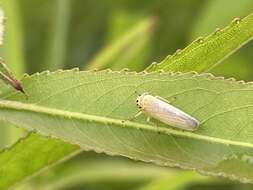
(98, 170)
(5, 74)
(136, 37)
(178, 181)
(213, 15)
(58, 39)
(13, 53)
(13, 41)
(206, 53)
(8, 77)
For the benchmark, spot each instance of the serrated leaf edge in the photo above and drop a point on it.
(208, 76)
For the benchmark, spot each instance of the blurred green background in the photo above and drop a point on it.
(62, 34)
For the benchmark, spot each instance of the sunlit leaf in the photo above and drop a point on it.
(205, 53)
(89, 109)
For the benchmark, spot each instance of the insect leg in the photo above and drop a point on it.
(133, 117)
(138, 114)
(153, 123)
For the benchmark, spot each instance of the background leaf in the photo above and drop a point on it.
(90, 170)
(58, 43)
(16, 157)
(211, 16)
(178, 181)
(14, 58)
(201, 53)
(126, 50)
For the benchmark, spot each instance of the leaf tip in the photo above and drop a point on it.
(18, 86)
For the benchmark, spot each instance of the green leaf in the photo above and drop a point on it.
(14, 159)
(58, 39)
(13, 42)
(5, 74)
(134, 55)
(14, 56)
(205, 53)
(99, 170)
(121, 52)
(213, 15)
(9, 78)
(178, 181)
(9, 134)
(89, 109)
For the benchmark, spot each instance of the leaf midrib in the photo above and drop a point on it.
(13, 105)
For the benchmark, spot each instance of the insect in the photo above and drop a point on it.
(160, 109)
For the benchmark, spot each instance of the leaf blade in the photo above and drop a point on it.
(26, 148)
(58, 40)
(201, 55)
(92, 118)
(120, 52)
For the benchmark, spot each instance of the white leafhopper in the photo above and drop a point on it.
(158, 108)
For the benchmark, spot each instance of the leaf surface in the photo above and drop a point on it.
(90, 110)
(205, 53)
